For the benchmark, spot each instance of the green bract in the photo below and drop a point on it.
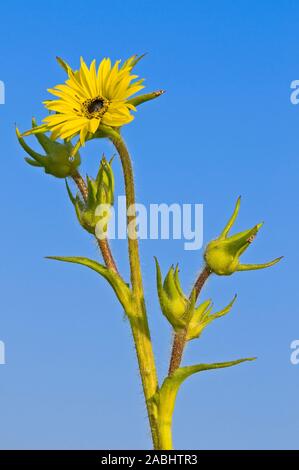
(100, 198)
(58, 161)
(181, 311)
(201, 317)
(174, 304)
(222, 255)
(140, 99)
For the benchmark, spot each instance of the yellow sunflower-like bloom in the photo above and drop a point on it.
(91, 97)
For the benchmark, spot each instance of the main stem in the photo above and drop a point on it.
(138, 320)
(179, 341)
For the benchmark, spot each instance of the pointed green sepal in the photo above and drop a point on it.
(232, 220)
(33, 154)
(45, 142)
(251, 267)
(137, 100)
(196, 325)
(132, 61)
(202, 317)
(33, 162)
(36, 130)
(70, 194)
(173, 303)
(64, 65)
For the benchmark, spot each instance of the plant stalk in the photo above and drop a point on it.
(138, 321)
(103, 244)
(179, 341)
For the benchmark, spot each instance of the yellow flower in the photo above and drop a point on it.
(91, 97)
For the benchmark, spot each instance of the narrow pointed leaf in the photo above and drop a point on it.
(165, 398)
(182, 373)
(120, 288)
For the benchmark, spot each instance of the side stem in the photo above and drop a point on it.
(179, 341)
(103, 244)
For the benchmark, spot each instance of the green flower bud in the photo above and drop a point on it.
(181, 311)
(222, 255)
(100, 192)
(174, 304)
(202, 317)
(59, 160)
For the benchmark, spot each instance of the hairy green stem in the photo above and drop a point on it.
(179, 341)
(103, 243)
(166, 409)
(138, 320)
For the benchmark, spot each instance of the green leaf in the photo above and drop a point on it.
(182, 373)
(119, 286)
(166, 396)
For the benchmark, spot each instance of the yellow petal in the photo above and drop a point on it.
(93, 125)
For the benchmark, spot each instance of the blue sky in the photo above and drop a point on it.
(225, 127)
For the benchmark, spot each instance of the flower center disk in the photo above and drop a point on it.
(95, 107)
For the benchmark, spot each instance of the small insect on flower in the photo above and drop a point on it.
(89, 98)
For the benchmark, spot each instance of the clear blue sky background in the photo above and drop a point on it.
(225, 127)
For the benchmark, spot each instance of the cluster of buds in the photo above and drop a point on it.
(181, 311)
(100, 197)
(222, 258)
